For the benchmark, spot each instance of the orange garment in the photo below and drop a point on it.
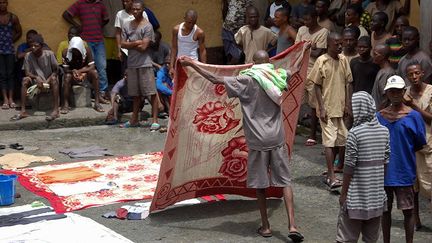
(68, 175)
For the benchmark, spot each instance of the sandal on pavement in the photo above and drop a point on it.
(51, 118)
(5, 106)
(16, 146)
(18, 117)
(98, 108)
(261, 232)
(155, 127)
(310, 142)
(12, 105)
(129, 125)
(146, 124)
(163, 129)
(332, 184)
(296, 236)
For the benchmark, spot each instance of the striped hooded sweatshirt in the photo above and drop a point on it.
(367, 151)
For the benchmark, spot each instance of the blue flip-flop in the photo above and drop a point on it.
(155, 127)
(129, 125)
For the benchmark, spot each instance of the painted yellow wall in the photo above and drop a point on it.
(46, 17)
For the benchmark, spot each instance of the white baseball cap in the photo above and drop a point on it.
(394, 82)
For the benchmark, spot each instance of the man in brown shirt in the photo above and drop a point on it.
(332, 78)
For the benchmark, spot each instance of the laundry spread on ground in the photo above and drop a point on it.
(86, 152)
(68, 175)
(206, 152)
(41, 224)
(21, 160)
(120, 179)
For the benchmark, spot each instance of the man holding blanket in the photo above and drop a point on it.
(259, 90)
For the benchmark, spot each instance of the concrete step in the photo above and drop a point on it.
(77, 117)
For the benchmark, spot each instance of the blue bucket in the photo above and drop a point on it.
(7, 189)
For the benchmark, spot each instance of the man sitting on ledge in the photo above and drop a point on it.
(79, 66)
(40, 68)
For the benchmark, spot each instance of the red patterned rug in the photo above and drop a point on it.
(130, 178)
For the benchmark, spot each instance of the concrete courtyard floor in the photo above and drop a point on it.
(234, 220)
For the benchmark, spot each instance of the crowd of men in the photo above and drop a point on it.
(367, 87)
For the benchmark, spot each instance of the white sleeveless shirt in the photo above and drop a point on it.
(186, 45)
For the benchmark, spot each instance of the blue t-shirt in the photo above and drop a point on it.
(162, 78)
(407, 135)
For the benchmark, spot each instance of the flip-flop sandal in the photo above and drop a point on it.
(12, 105)
(310, 142)
(296, 236)
(265, 235)
(146, 124)
(51, 118)
(332, 185)
(129, 125)
(16, 146)
(5, 107)
(2, 146)
(154, 127)
(18, 117)
(163, 129)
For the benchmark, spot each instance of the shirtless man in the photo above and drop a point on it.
(188, 40)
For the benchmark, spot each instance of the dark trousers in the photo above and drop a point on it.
(7, 62)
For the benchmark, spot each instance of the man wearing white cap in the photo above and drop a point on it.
(407, 135)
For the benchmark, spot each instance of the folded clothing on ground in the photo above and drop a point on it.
(20, 160)
(86, 152)
(68, 175)
(68, 228)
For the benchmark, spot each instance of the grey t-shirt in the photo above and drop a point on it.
(137, 59)
(43, 66)
(262, 118)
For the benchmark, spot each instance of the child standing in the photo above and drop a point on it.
(367, 152)
(332, 78)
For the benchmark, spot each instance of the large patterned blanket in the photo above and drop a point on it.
(205, 152)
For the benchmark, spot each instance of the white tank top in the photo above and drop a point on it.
(186, 45)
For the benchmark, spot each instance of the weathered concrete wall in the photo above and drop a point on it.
(426, 25)
(45, 17)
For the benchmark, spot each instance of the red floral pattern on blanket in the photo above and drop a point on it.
(215, 118)
(234, 164)
(134, 177)
(220, 89)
